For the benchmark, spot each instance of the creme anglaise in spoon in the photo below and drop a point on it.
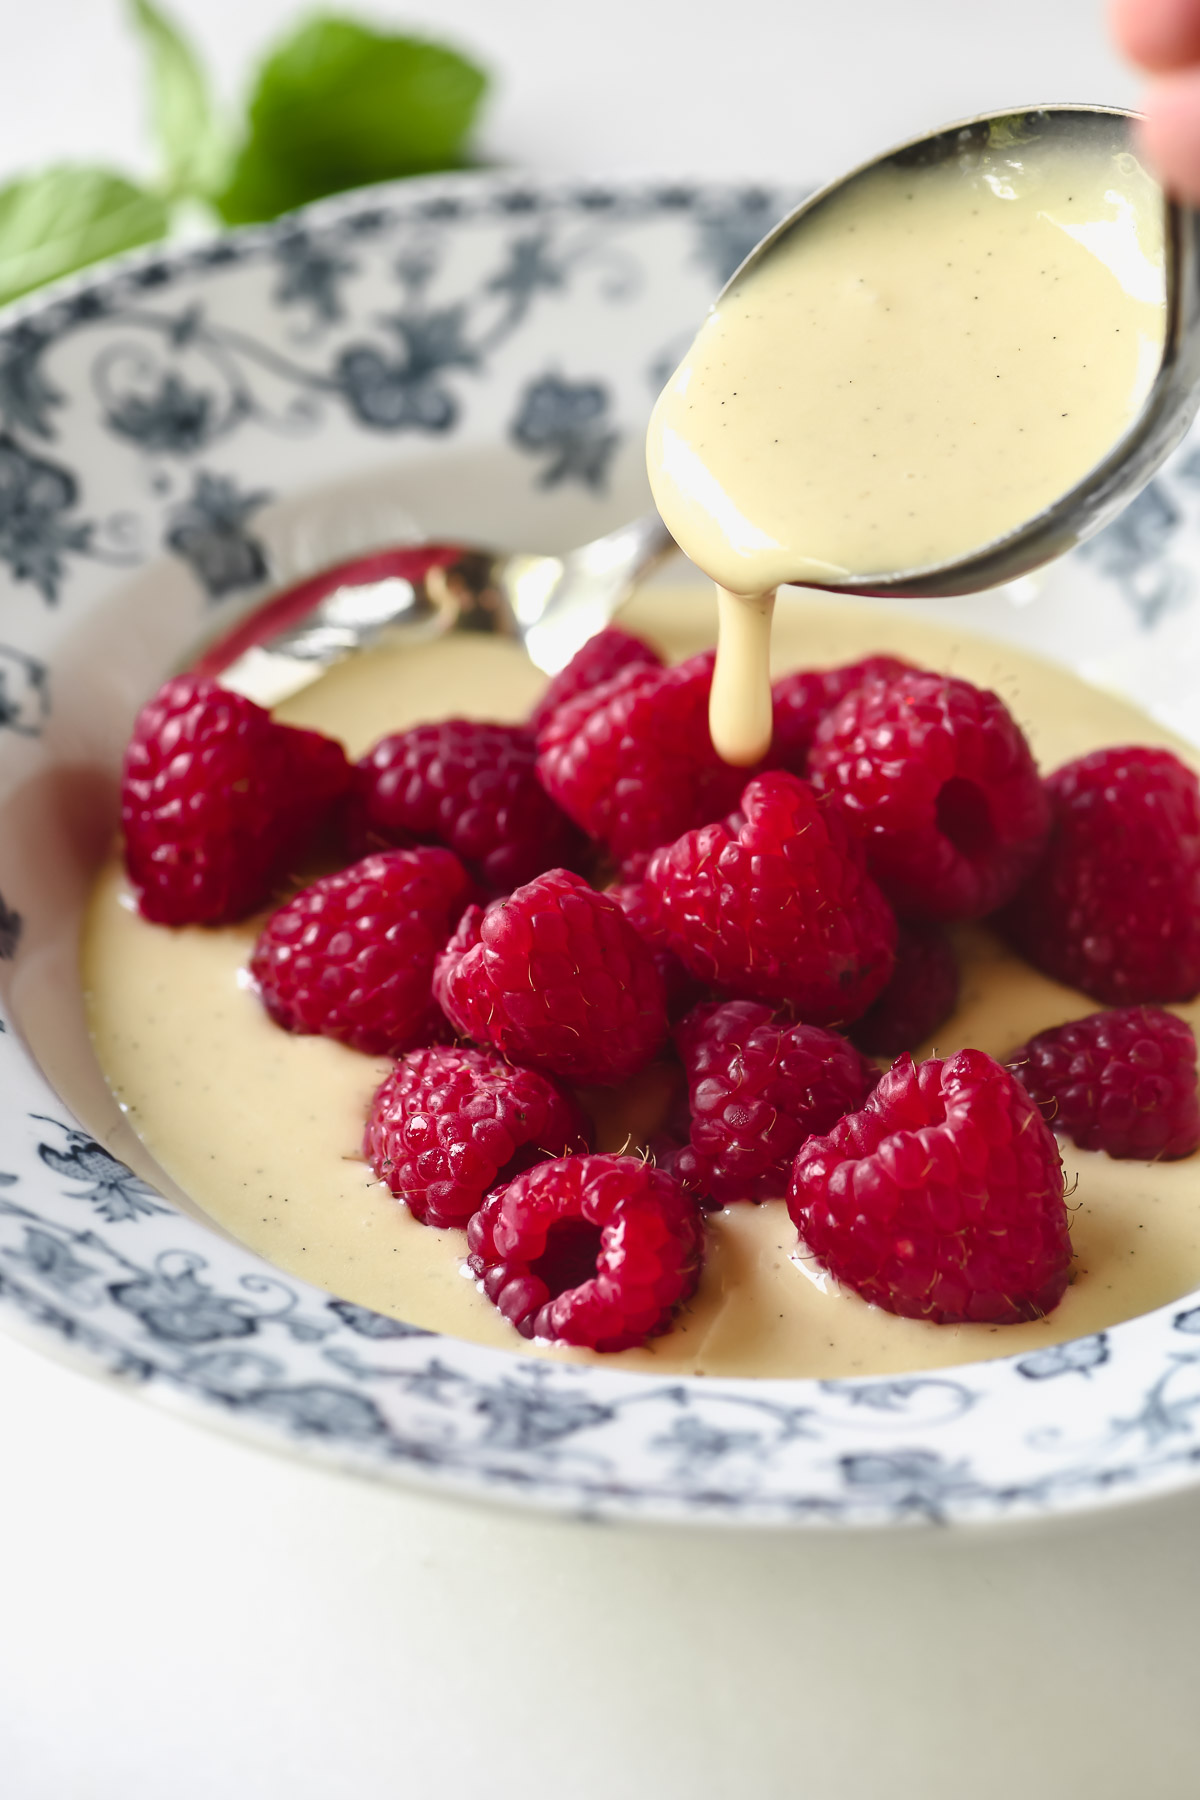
(938, 373)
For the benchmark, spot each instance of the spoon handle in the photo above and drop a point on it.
(414, 592)
(349, 600)
(558, 603)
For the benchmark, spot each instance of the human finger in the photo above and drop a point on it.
(1157, 34)
(1171, 133)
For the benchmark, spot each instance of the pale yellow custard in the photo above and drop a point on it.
(926, 361)
(263, 1130)
(924, 364)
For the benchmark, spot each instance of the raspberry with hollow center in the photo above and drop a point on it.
(472, 787)
(447, 1124)
(632, 760)
(802, 699)
(1121, 1081)
(939, 780)
(775, 905)
(596, 1251)
(942, 1199)
(920, 996)
(1113, 907)
(352, 956)
(219, 803)
(555, 976)
(759, 1086)
(602, 657)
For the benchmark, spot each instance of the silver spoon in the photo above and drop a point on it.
(1170, 405)
(413, 593)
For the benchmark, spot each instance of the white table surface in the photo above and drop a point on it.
(185, 1617)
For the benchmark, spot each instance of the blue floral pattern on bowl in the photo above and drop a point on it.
(155, 417)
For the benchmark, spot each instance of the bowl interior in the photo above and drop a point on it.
(301, 451)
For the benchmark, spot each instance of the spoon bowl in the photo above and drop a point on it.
(1170, 404)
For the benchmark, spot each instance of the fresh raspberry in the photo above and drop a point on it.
(1122, 1081)
(602, 657)
(589, 1250)
(219, 803)
(942, 1199)
(775, 905)
(472, 787)
(352, 956)
(921, 995)
(677, 1158)
(802, 699)
(682, 989)
(760, 1086)
(938, 778)
(447, 1124)
(555, 976)
(633, 763)
(1113, 908)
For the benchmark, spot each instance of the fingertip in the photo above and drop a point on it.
(1126, 27)
(1170, 133)
(1159, 35)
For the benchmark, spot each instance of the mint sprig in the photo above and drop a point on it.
(336, 105)
(67, 217)
(191, 143)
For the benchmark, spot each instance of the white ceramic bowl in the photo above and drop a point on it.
(475, 356)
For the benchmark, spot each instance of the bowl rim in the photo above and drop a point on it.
(862, 1452)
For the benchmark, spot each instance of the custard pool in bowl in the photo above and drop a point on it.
(263, 1129)
(474, 359)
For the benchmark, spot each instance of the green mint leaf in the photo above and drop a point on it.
(182, 116)
(67, 217)
(339, 105)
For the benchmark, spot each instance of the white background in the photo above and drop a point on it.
(793, 89)
(183, 1618)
